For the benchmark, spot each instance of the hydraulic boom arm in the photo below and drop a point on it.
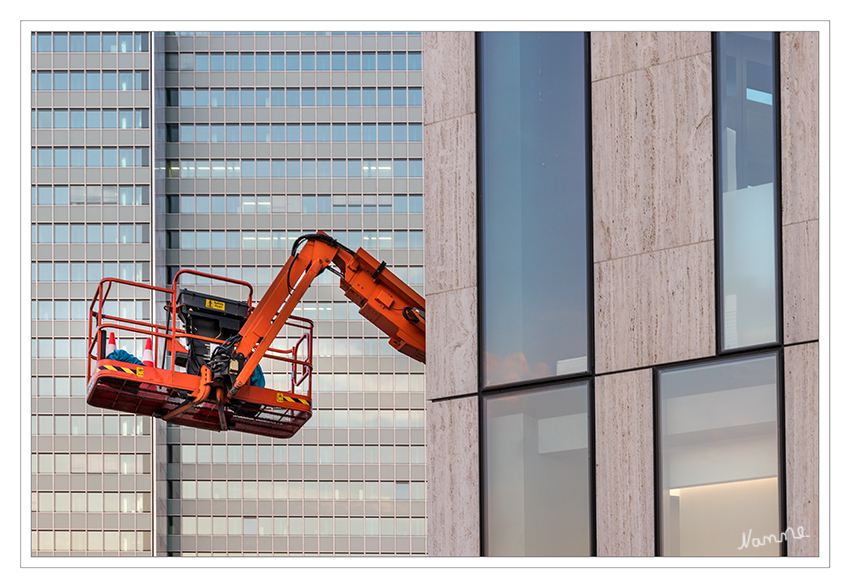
(384, 300)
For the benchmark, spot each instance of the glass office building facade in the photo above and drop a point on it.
(213, 151)
(92, 483)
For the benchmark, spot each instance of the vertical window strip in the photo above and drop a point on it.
(749, 295)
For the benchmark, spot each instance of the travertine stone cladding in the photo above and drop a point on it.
(448, 84)
(453, 485)
(450, 246)
(800, 281)
(625, 524)
(799, 94)
(616, 53)
(452, 336)
(655, 308)
(652, 158)
(801, 447)
(449, 142)
(653, 223)
(450, 213)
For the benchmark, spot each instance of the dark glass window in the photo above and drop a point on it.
(537, 472)
(141, 42)
(534, 193)
(172, 134)
(747, 178)
(718, 458)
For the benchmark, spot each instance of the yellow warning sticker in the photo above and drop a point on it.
(137, 371)
(282, 398)
(216, 304)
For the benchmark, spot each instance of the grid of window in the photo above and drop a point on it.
(253, 160)
(89, 271)
(90, 80)
(321, 204)
(282, 168)
(91, 194)
(294, 61)
(91, 157)
(91, 142)
(216, 97)
(294, 133)
(47, 42)
(63, 543)
(78, 118)
(90, 233)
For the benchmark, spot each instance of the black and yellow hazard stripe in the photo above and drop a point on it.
(283, 398)
(138, 371)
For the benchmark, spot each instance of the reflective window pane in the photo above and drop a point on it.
(746, 132)
(536, 455)
(718, 443)
(534, 295)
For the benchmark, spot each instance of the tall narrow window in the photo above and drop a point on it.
(746, 126)
(718, 443)
(534, 189)
(533, 139)
(537, 472)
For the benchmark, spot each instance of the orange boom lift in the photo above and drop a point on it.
(209, 377)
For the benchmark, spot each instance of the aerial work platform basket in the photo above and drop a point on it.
(174, 386)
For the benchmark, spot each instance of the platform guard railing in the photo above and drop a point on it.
(299, 356)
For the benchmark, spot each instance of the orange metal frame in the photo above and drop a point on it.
(187, 399)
